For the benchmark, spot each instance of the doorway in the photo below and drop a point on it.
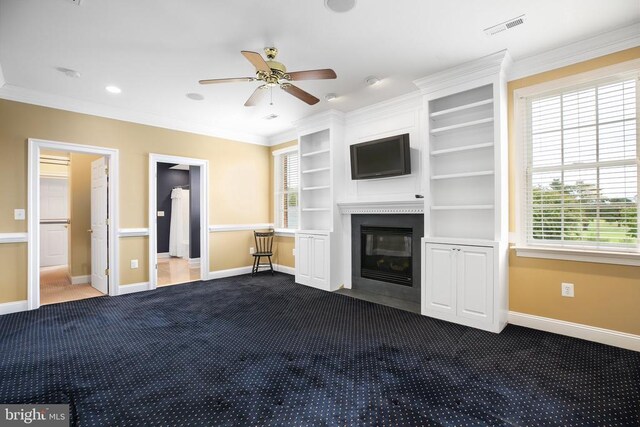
(72, 222)
(178, 232)
(73, 247)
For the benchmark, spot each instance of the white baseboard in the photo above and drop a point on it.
(80, 280)
(134, 287)
(229, 273)
(13, 307)
(284, 269)
(163, 255)
(576, 330)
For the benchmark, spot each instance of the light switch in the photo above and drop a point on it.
(134, 263)
(160, 213)
(18, 214)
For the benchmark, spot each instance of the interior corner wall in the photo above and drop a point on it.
(606, 296)
(239, 190)
(283, 246)
(80, 213)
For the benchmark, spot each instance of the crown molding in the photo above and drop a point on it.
(28, 96)
(486, 66)
(583, 50)
(323, 118)
(282, 137)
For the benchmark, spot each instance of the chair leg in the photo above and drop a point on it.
(253, 267)
(270, 265)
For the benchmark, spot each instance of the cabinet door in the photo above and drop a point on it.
(320, 262)
(303, 259)
(440, 278)
(475, 283)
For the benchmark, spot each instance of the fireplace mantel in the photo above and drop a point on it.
(414, 206)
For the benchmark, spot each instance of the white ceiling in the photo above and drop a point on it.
(157, 50)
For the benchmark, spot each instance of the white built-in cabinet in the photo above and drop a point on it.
(466, 208)
(312, 259)
(461, 280)
(318, 241)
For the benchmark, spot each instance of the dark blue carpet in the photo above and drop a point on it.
(265, 351)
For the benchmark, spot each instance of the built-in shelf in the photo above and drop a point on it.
(462, 148)
(316, 170)
(461, 207)
(315, 209)
(462, 175)
(320, 187)
(462, 125)
(315, 153)
(462, 108)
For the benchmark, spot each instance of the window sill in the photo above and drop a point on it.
(594, 256)
(285, 232)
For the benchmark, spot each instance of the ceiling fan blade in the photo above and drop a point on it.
(256, 59)
(313, 74)
(300, 94)
(256, 96)
(232, 80)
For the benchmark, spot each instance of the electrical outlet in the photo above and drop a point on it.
(252, 251)
(18, 214)
(567, 290)
(134, 263)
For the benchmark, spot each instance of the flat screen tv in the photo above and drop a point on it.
(381, 158)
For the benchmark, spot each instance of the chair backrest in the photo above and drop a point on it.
(264, 240)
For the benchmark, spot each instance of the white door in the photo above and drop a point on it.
(319, 262)
(99, 227)
(475, 283)
(303, 259)
(440, 278)
(54, 216)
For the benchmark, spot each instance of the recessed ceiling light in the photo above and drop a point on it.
(69, 72)
(340, 5)
(113, 89)
(330, 96)
(372, 80)
(195, 96)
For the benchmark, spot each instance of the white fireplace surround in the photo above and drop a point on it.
(415, 206)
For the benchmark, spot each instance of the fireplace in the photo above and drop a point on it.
(385, 254)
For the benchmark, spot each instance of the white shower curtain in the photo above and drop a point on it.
(179, 227)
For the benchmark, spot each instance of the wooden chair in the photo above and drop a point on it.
(264, 249)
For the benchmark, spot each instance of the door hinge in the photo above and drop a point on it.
(156, 266)
(106, 271)
(106, 171)
(106, 221)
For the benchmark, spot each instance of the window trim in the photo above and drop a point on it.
(546, 251)
(277, 154)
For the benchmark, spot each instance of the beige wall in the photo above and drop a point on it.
(606, 296)
(239, 192)
(282, 246)
(80, 189)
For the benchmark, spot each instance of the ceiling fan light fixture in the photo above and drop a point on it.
(372, 80)
(340, 6)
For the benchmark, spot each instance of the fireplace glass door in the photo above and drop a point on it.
(386, 254)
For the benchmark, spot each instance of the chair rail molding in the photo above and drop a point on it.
(14, 237)
(239, 227)
(133, 232)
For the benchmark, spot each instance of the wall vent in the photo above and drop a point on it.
(503, 26)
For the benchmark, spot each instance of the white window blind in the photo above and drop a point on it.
(581, 166)
(286, 191)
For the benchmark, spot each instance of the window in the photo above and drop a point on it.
(581, 166)
(286, 189)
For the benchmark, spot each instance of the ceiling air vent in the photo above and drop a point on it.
(271, 116)
(76, 2)
(503, 26)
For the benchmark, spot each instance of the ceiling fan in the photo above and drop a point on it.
(274, 73)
